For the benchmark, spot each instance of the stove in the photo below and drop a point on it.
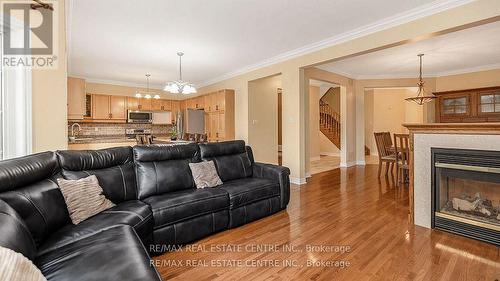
(132, 133)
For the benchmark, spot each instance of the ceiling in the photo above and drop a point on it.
(118, 41)
(469, 50)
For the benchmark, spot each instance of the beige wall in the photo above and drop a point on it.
(49, 100)
(263, 118)
(473, 80)
(386, 110)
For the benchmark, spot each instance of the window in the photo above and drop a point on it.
(489, 103)
(457, 105)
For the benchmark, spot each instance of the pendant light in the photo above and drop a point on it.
(179, 86)
(147, 95)
(421, 97)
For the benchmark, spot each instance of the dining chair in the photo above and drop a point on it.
(385, 155)
(144, 139)
(402, 148)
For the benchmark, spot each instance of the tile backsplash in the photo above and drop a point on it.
(116, 129)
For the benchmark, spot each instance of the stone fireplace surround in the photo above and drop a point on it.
(480, 136)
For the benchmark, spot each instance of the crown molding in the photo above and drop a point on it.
(398, 19)
(118, 83)
(415, 76)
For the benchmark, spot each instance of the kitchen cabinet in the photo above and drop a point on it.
(145, 104)
(76, 98)
(166, 105)
(468, 106)
(132, 103)
(156, 105)
(161, 105)
(118, 107)
(199, 102)
(219, 124)
(100, 107)
(220, 100)
(106, 107)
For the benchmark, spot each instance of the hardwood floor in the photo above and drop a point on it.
(344, 207)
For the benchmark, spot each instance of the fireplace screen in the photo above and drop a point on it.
(462, 195)
(466, 193)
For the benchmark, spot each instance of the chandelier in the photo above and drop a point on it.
(179, 86)
(146, 95)
(421, 97)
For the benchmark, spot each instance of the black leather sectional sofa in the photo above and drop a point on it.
(156, 200)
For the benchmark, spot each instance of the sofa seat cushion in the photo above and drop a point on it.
(114, 253)
(134, 213)
(177, 206)
(245, 191)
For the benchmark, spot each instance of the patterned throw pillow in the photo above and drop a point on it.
(16, 267)
(205, 174)
(84, 198)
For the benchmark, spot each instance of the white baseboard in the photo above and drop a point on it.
(315, 158)
(308, 175)
(347, 164)
(361, 162)
(330, 154)
(299, 181)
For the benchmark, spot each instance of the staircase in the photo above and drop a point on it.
(329, 124)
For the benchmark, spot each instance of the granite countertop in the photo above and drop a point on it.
(159, 139)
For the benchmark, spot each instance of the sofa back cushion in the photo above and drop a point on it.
(113, 167)
(28, 185)
(14, 234)
(231, 159)
(162, 169)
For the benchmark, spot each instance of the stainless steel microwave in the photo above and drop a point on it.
(143, 117)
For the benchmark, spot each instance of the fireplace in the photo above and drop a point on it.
(466, 193)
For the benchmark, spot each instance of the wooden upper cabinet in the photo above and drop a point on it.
(156, 105)
(100, 107)
(468, 106)
(166, 105)
(118, 107)
(145, 104)
(106, 107)
(221, 100)
(132, 103)
(76, 98)
(200, 102)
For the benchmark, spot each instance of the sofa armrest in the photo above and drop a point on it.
(276, 173)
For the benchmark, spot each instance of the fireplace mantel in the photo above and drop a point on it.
(442, 128)
(454, 128)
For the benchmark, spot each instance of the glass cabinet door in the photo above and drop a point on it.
(489, 102)
(455, 105)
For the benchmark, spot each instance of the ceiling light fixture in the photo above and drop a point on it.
(146, 95)
(179, 86)
(421, 98)
(156, 97)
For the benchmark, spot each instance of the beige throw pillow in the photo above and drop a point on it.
(16, 267)
(205, 174)
(84, 198)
